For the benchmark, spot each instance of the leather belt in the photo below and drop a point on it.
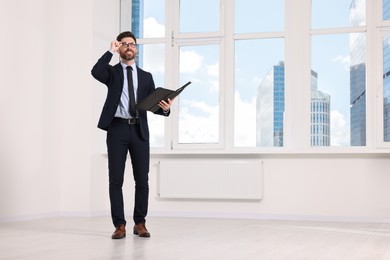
(129, 121)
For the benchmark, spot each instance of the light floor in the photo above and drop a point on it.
(194, 239)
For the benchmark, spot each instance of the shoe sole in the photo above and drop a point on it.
(115, 237)
(136, 233)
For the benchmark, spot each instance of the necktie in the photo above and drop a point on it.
(131, 91)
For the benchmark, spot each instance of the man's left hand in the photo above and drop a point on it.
(165, 106)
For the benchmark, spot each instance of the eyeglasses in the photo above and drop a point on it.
(129, 45)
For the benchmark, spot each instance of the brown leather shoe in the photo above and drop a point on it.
(140, 230)
(120, 232)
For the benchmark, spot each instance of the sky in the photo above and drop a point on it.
(199, 103)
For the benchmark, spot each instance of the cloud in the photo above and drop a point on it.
(154, 61)
(153, 54)
(213, 70)
(214, 86)
(156, 128)
(190, 61)
(339, 129)
(245, 122)
(344, 61)
(199, 123)
(195, 127)
(200, 105)
(256, 80)
(153, 29)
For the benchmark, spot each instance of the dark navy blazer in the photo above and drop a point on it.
(112, 77)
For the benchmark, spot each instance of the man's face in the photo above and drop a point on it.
(126, 51)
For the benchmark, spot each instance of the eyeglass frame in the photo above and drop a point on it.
(129, 44)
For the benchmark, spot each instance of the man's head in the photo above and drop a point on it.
(128, 48)
(126, 34)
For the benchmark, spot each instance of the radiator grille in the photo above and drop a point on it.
(210, 180)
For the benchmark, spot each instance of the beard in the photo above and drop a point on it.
(127, 55)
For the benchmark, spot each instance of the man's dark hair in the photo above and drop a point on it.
(124, 35)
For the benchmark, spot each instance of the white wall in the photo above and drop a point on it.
(47, 54)
(344, 188)
(51, 160)
(29, 181)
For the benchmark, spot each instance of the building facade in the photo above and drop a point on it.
(270, 108)
(270, 104)
(358, 75)
(386, 77)
(319, 115)
(386, 89)
(137, 27)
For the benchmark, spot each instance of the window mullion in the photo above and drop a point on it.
(297, 75)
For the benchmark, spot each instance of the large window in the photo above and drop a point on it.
(199, 104)
(339, 66)
(386, 10)
(385, 73)
(258, 16)
(154, 62)
(199, 16)
(259, 73)
(146, 19)
(259, 93)
(386, 88)
(267, 76)
(196, 46)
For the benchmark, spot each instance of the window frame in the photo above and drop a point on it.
(297, 35)
(379, 31)
(175, 111)
(182, 39)
(382, 31)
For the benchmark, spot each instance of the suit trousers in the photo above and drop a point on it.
(121, 139)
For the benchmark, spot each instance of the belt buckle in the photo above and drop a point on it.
(132, 121)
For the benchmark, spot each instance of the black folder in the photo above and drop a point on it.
(150, 103)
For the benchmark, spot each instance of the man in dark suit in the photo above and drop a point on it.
(127, 129)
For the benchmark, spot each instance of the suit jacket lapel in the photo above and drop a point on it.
(139, 81)
(118, 67)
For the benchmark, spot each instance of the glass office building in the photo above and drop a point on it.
(386, 76)
(358, 76)
(137, 27)
(270, 108)
(319, 115)
(270, 104)
(386, 88)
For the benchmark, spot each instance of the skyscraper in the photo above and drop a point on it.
(137, 26)
(270, 108)
(386, 89)
(358, 75)
(270, 111)
(386, 77)
(319, 115)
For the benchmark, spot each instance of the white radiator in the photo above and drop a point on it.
(209, 179)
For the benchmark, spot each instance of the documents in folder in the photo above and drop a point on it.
(150, 103)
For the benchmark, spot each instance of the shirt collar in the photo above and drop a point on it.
(124, 66)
